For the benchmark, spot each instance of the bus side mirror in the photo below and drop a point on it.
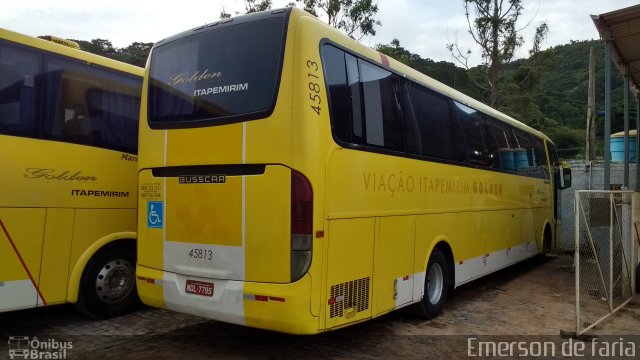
(565, 178)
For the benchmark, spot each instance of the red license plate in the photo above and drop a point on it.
(199, 288)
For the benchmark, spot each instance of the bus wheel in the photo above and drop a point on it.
(546, 246)
(436, 287)
(108, 286)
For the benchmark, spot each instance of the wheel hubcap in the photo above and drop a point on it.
(435, 283)
(115, 281)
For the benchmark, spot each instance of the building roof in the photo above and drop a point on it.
(622, 28)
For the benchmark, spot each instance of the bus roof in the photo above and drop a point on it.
(53, 47)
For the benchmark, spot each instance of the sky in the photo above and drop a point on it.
(423, 27)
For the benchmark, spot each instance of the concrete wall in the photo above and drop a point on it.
(585, 178)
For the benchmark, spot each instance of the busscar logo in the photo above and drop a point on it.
(202, 179)
(24, 347)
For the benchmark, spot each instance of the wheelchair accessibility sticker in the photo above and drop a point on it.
(155, 211)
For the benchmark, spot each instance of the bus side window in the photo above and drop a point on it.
(522, 141)
(336, 79)
(77, 127)
(99, 108)
(113, 116)
(19, 72)
(384, 122)
(541, 155)
(496, 144)
(431, 113)
(355, 95)
(473, 126)
(460, 150)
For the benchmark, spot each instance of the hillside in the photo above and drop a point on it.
(552, 98)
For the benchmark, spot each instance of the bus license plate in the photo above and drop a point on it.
(199, 288)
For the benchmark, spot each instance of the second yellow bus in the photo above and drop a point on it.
(68, 151)
(293, 179)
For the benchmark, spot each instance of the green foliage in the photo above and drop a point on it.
(493, 28)
(100, 47)
(134, 54)
(570, 142)
(547, 91)
(252, 6)
(399, 53)
(356, 18)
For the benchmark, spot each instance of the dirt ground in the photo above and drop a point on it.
(525, 299)
(528, 302)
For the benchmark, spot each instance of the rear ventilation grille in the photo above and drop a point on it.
(352, 294)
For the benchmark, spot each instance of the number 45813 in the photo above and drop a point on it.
(314, 88)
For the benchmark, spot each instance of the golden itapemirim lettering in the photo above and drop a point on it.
(392, 183)
(53, 174)
(443, 185)
(481, 187)
(395, 183)
(183, 78)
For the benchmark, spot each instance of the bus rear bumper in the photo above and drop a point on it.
(279, 307)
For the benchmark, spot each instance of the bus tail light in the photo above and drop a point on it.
(301, 225)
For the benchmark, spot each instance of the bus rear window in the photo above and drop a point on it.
(218, 76)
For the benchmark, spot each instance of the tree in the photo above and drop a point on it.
(136, 53)
(493, 28)
(98, 46)
(356, 18)
(398, 52)
(224, 14)
(252, 6)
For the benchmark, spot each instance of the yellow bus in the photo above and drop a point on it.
(68, 149)
(295, 180)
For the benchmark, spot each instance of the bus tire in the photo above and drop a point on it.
(108, 286)
(546, 247)
(436, 287)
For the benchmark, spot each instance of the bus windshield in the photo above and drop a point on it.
(201, 79)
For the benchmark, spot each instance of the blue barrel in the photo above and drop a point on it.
(506, 159)
(520, 159)
(533, 157)
(617, 146)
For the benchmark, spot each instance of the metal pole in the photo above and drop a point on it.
(611, 205)
(634, 262)
(626, 130)
(591, 108)
(633, 243)
(637, 142)
(607, 114)
(576, 258)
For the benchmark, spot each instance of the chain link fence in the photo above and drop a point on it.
(603, 255)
